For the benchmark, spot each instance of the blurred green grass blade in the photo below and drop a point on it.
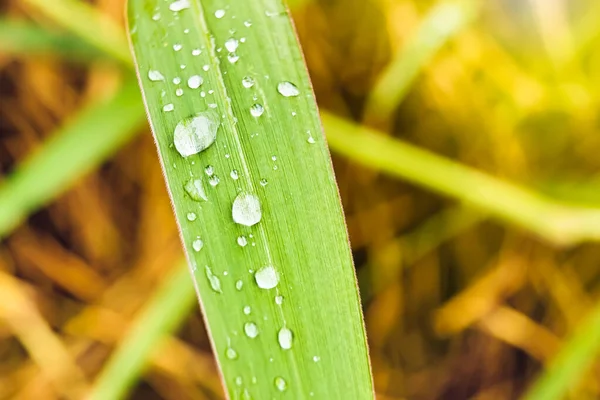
(162, 315)
(72, 151)
(441, 23)
(26, 39)
(88, 23)
(276, 153)
(551, 220)
(572, 363)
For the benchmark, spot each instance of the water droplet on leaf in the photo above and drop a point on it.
(195, 189)
(251, 330)
(280, 384)
(215, 282)
(257, 110)
(195, 81)
(231, 353)
(219, 14)
(287, 89)
(191, 216)
(155, 76)
(179, 5)
(266, 277)
(285, 338)
(246, 209)
(195, 134)
(248, 82)
(197, 245)
(231, 45)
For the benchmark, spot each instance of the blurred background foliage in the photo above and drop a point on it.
(473, 285)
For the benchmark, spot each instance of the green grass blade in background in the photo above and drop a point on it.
(161, 315)
(279, 295)
(26, 39)
(72, 151)
(572, 363)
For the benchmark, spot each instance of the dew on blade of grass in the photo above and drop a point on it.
(266, 277)
(195, 81)
(179, 92)
(219, 13)
(234, 175)
(177, 47)
(209, 170)
(196, 52)
(176, 80)
(280, 384)
(242, 241)
(279, 300)
(285, 337)
(316, 358)
(155, 75)
(233, 58)
(247, 23)
(238, 381)
(246, 395)
(257, 110)
(214, 180)
(213, 280)
(197, 245)
(195, 134)
(246, 209)
(168, 107)
(205, 68)
(195, 189)
(263, 182)
(287, 89)
(251, 330)
(248, 82)
(239, 285)
(231, 353)
(179, 5)
(247, 310)
(231, 45)
(191, 216)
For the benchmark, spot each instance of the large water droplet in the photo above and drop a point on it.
(231, 353)
(195, 190)
(215, 282)
(179, 5)
(195, 134)
(195, 81)
(231, 45)
(280, 384)
(251, 330)
(155, 76)
(248, 82)
(285, 338)
(266, 277)
(257, 110)
(287, 89)
(219, 13)
(246, 209)
(197, 244)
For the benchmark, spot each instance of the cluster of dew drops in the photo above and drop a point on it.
(195, 134)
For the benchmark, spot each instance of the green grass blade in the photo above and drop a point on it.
(279, 156)
(572, 363)
(26, 39)
(72, 151)
(162, 315)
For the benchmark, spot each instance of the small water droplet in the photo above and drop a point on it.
(243, 40)
(248, 82)
(186, 31)
(212, 105)
(316, 358)
(195, 81)
(246, 395)
(274, 158)
(182, 66)
(231, 353)
(206, 67)
(195, 189)
(279, 300)
(234, 175)
(215, 282)
(179, 92)
(247, 310)
(246, 209)
(287, 89)
(239, 381)
(233, 58)
(197, 245)
(214, 180)
(156, 17)
(196, 52)
(247, 23)
(266, 277)
(177, 47)
(168, 107)
(239, 285)
(191, 217)
(285, 338)
(179, 5)
(280, 384)
(155, 76)
(231, 45)
(177, 80)
(242, 241)
(195, 134)
(251, 330)
(311, 140)
(263, 182)
(257, 110)
(219, 13)
(209, 170)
